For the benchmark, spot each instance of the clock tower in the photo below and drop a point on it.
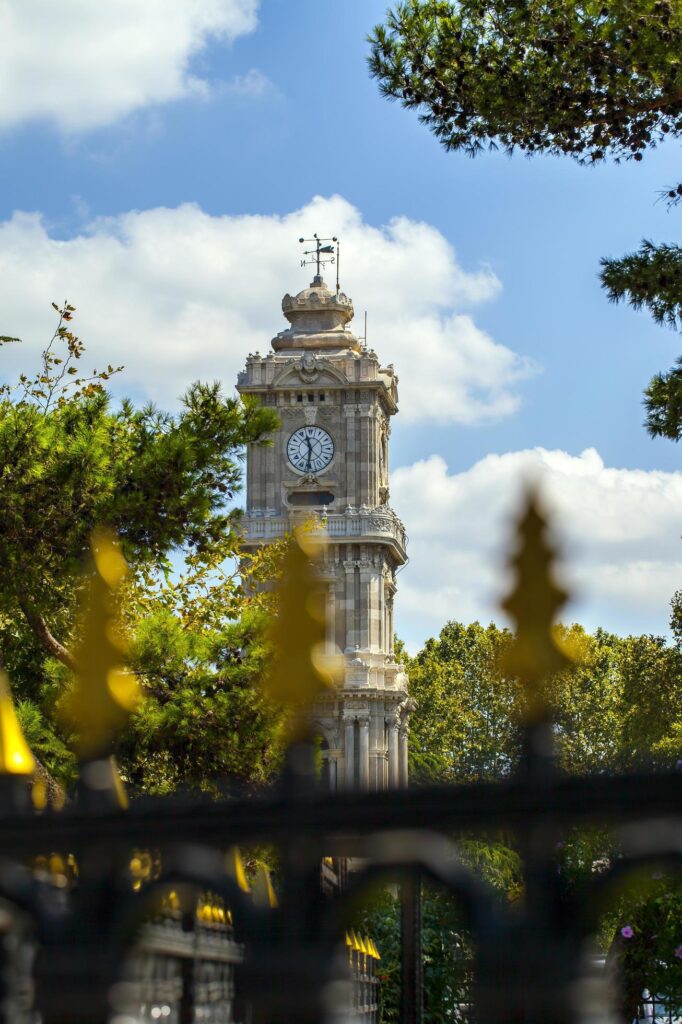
(329, 462)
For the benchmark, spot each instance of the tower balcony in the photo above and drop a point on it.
(371, 525)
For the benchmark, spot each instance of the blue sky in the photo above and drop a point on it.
(246, 110)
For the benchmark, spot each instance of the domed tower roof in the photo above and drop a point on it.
(318, 318)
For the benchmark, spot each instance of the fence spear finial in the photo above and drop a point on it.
(532, 604)
(15, 754)
(302, 668)
(105, 692)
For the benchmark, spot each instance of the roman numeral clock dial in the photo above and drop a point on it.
(310, 449)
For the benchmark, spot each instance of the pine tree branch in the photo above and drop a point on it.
(41, 631)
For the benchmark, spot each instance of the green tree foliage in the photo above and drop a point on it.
(647, 944)
(618, 707)
(651, 277)
(588, 80)
(582, 79)
(663, 403)
(447, 946)
(70, 461)
(446, 954)
(676, 617)
(465, 725)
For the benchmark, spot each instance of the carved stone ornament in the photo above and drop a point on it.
(307, 367)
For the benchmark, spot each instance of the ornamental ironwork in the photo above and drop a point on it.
(117, 912)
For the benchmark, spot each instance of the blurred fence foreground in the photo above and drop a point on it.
(142, 912)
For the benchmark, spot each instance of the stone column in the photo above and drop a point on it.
(365, 606)
(393, 755)
(404, 733)
(363, 751)
(331, 617)
(333, 772)
(349, 605)
(389, 645)
(349, 753)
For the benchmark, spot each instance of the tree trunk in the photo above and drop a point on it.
(42, 632)
(55, 794)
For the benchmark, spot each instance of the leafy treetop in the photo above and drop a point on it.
(582, 79)
(587, 80)
(71, 461)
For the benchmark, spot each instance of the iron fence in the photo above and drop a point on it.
(90, 950)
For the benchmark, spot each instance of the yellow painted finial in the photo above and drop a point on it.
(532, 604)
(105, 692)
(15, 754)
(235, 868)
(263, 890)
(302, 668)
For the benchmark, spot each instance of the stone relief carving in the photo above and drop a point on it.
(307, 367)
(380, 523)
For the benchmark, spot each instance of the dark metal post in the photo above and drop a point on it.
(188, 999)
(411, 996)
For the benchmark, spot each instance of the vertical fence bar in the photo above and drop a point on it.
(188, 999)
(411, 994)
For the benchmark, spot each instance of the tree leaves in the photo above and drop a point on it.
(650, 277)
(581, 79)
(587, 80)
(161, 482)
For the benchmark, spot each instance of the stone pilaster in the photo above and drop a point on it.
(363, 751)
(393, 750)
(349, 751)
(404, 733)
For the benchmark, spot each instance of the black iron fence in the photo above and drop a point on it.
(93, 948)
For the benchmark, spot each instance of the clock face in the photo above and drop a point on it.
(310, 449)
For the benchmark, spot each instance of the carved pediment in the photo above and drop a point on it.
(309, 369)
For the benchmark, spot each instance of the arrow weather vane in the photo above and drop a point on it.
(321, 254)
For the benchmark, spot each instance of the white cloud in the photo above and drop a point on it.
(252, 85)
(177, 294)
(85, 63)
(620, 530)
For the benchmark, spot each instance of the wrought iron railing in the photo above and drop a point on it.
(529, 963)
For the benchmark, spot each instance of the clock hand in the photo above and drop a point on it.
(310, 453)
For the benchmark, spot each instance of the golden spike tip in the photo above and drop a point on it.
(105, 692)
(532, 604)
(15, 754)
(302, 669)
(235, 868)
(263, 889)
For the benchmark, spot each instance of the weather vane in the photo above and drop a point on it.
(322, 254)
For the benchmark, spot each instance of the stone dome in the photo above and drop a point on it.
(318, 318)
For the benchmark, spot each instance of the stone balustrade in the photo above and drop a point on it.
(380, 525)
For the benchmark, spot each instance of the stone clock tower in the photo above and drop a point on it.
(329, 460)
